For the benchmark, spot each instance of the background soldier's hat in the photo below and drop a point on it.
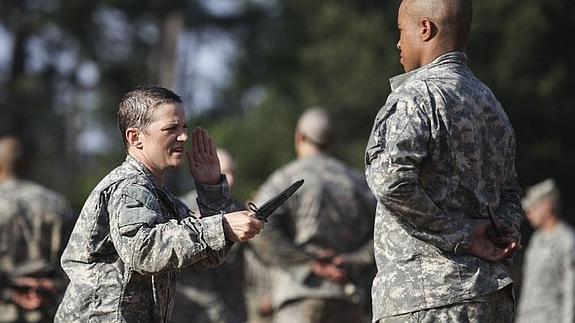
(540, 192)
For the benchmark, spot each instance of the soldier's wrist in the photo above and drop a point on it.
(462, 247)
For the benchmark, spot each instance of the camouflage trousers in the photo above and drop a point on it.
(314, 310)
(497, 307)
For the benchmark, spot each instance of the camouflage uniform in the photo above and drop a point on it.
(440, 151)
(129, 242)
(334, 209)
(258, 286)
(34, 227)
(548, 290)
(215, 295)
(499, 310)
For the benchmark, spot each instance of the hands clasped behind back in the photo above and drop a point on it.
(483, 246)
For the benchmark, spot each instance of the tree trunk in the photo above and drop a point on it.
(164, 55)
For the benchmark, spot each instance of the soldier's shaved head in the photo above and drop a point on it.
(451, 17)
(315, 125)
(11, 155)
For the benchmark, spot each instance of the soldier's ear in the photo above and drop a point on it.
(134, 138)
(299, 137)
(428, 30)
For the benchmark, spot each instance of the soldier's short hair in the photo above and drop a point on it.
(137, 107)
(546, 190)
(315, 124)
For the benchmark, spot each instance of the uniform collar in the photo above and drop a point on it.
(458, 58)
(138, 166)
(165, 196)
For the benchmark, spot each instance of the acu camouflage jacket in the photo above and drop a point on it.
(129, 242)
(441, 152)
(333, 210)
(35, 223)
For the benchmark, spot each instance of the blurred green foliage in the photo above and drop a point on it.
(291, 55)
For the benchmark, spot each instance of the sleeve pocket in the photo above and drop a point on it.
(140, 208)
(376, 143)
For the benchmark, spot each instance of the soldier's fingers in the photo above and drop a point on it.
(338, 261)
(502, 241)
(248, 236)
(250, 214)
(336, 274)
(199, 139)
(257, 223)
(195, 142)
(252, 220)
(506, 229)
(211, 146)
(326, 254)
(191, 161)
(253, 230)
(514, 246)
(505, 253)
(205, 141)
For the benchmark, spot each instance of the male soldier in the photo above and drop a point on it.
(548, 293)
(132, 236)
(322, 235)
(34, 226)
(213, 296)
(258, 286)
(440, 161)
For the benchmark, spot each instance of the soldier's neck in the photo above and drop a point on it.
(550, 224)
(305, 151)
(6, 177)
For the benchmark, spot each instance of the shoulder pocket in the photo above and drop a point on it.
(376, 143)
(139, 207)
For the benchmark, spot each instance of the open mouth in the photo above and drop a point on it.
(178, 150)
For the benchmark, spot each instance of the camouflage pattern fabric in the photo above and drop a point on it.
(548, 290)
(496, 307)
(35, 223)
(317, 310)
(129, 242)
(215, 295)
(258, 286)
(334, 209)
(441, 151)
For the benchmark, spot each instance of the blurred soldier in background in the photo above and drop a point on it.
(258, 287)
(35, 223)
(320, 240)
(213, 296)
(548, 290)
